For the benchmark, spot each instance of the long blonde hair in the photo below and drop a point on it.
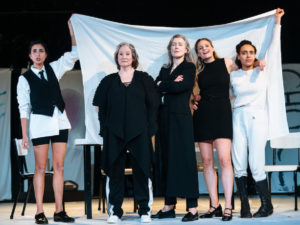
(200, 62)
(188, 56)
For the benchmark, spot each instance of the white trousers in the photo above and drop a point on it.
(250, 127)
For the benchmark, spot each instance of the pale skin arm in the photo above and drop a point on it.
(279, 13)
(25, 142)
(231, 65)
(72, 33)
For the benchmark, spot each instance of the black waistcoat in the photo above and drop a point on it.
(44, 96)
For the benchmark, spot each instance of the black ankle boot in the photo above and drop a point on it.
(266, 207)
(242, 188)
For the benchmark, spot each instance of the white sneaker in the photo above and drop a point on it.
(145, 219)
(113, 219)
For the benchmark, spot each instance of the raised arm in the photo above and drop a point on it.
(73, 40)
(279, 13)
(67, 61)
(230, 65)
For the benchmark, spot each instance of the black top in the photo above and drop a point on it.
(177, 95)
(214, 80)
(213, 118)
(44, 95)
(127, 111)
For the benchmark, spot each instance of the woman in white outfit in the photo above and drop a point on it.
(250, 124)
(40, 103)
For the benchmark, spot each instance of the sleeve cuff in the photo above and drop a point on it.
(24, 115)
(74, 48)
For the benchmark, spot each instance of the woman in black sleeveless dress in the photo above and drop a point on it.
(213, 123)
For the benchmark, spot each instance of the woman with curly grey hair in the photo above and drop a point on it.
(127, 103)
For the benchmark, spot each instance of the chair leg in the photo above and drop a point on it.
(270, 178)
(134, 206)
(15, 203)
(63, 200)
(30, 181)
(100, 192)
(296, 193)
(63, 203)
(232, 199)
(217, 173)
(103, 195)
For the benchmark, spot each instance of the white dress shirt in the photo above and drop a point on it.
(41, 125)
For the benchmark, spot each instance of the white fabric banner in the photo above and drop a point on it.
(5, 165)
(97, 40)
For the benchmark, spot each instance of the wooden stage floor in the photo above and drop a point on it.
(283, 212)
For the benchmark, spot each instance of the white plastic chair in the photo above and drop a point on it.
(291, 141)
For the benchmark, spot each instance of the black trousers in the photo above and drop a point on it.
(190, 202)
(142, 187)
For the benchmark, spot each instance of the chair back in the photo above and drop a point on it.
(21, 160)
(290, 141)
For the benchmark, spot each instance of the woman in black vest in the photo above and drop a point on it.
(175, 136)
(40, 99)
(127, 103)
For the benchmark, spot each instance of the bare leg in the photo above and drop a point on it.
(41, 157)
(193, 210)
(223, 146)
(59, 151)
(167, 208)
(210, 176)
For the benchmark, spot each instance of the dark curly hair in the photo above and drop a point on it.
(238, 51)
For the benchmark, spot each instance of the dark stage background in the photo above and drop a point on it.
(26, 20)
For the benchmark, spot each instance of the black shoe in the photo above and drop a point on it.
(217, 213)
(41, 219)
(227, 216)
(63, 217)
(266, 208)
(164, 215)
(190, 217)
(243, 193)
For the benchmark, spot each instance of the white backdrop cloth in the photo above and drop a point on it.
(5, 165)
(97, 40)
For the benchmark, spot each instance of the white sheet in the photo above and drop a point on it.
(5, 165)
(98, 38)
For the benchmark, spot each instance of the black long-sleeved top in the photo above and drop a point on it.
(177, 94)
(127, 111)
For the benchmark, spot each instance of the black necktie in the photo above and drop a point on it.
(42, 76)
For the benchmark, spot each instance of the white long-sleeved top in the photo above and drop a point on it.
(271, 81)
(249, 88)
(41, 125)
